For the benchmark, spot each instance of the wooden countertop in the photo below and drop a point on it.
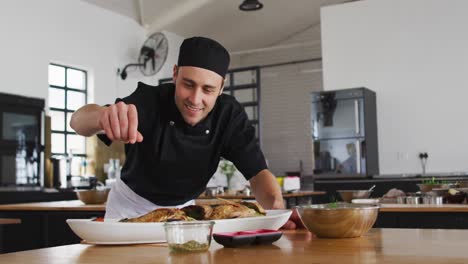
(378, 246)
(77, 205)
(428, 208)
(285, 195)
(9, 221)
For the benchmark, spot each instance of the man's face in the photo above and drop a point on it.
(196, 92)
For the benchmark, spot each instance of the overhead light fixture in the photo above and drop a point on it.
(250, 5)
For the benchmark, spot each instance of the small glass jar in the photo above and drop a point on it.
(191, 236)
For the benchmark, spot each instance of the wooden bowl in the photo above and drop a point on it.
(349, 195)
(95, 196)
(428, 187)
(343, 221)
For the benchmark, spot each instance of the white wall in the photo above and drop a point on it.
(74, 33)
(414, 55)
(127, 86)
(286, 100)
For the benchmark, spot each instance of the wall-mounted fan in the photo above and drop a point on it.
(152, 56)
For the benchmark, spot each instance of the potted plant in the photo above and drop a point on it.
(428, 185)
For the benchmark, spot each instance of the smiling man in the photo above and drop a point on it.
(175, 135)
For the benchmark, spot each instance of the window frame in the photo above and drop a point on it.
(65, 110)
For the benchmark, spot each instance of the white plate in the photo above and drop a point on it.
(113, 232)
(365, 201)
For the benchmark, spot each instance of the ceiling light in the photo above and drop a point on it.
(250, 5)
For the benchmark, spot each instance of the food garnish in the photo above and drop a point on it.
(190, 246)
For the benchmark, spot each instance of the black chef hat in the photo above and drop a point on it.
(204, 53)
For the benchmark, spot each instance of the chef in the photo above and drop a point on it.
(175, 135)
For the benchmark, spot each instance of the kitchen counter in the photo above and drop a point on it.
(9, 221)
(11, 195)
(291, 199)
(77, 205)
(377, 179)
(74, 205)
(382, 186)
(285, 195)
(378, 246)
(428, 208)
(44, 223)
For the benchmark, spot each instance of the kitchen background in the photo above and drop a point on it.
(411, 53)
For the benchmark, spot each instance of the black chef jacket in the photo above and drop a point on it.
(175, 161)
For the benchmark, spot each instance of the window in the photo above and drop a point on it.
(67, 93)
(244, 85)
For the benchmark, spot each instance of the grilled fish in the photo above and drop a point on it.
(198, 212)
(227, 210)
(160, 215)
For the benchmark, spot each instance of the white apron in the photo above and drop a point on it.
(123, 202)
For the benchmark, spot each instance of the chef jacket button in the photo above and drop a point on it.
(171, 123)
(207, 131)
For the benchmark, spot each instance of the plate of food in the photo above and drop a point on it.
(148, 228)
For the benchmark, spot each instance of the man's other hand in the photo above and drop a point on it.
(294, 221)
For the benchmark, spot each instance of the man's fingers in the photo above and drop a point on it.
(132, 123)
(122, 110)
(114, 122)
(289, 225)
(296, 219)
(139, 137)
(120, 122)
(105, 123)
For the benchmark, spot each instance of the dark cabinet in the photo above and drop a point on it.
(39, 229)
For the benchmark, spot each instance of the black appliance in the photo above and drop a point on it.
(21, 140)
(344, 133)
(59, 172)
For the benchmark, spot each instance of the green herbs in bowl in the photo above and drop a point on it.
(190, 246)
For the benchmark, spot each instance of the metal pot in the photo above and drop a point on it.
(432, 200)
(413, 200)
